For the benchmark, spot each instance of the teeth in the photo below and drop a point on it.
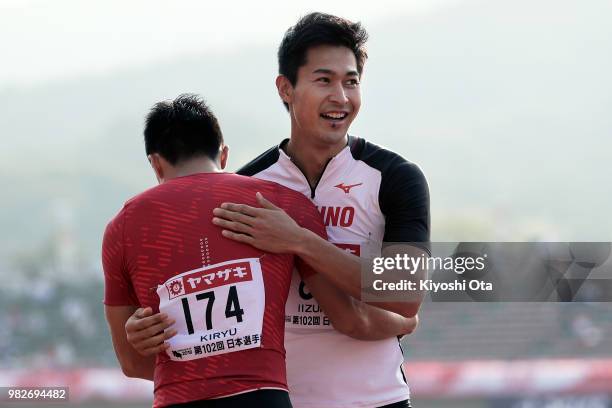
(335, 115)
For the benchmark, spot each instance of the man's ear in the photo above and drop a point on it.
(285, 89)
(223, 156)
(156, 162)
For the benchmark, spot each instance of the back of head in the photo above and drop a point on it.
(182, 129)
(319, 29)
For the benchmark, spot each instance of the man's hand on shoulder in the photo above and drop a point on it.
(268, 228)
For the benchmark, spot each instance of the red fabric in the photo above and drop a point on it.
(159, 234)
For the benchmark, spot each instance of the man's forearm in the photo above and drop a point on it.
(379, 324)
(343, 270)
(141, 367)
(355, 318)
(271, 229)
(132, 364)
(338, 266)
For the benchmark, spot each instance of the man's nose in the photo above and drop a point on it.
(338, 94)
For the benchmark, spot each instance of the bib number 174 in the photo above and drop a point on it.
(232, 308)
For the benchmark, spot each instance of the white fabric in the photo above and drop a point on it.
(325, 368)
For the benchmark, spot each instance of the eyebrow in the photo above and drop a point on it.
(330, 72)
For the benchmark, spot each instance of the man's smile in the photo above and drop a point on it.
(336, 116)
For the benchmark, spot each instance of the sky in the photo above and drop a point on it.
(44, 40)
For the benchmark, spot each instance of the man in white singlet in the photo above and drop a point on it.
(366, 194)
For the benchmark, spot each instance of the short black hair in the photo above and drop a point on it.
(319, 29)
(182, 129)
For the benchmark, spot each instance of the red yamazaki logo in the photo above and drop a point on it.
(346, 189)
(209, 277)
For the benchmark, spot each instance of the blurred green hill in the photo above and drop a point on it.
(506, 108)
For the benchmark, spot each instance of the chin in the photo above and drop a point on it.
(332, 138)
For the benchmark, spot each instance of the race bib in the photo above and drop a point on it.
(302, 310)
(218, 309)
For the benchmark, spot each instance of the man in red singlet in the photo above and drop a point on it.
(226, 299)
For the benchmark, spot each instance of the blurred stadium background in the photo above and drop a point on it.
(463, 354)
(505, 105)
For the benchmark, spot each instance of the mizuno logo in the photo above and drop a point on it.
(337, 216)
(347, 189)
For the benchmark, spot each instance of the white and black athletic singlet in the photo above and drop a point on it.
(366, 195)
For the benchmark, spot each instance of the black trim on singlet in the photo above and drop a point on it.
(401, 404)
(399, 343)
(261, 162)
(313, 189)
(271, 156)
(403, 196)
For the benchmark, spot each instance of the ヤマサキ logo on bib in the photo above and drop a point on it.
(218, 309)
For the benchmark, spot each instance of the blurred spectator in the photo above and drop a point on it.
(587, 332)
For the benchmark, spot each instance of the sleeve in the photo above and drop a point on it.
(118, 288)
(404, 201)
(304, 212)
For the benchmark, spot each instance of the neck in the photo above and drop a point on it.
(193, 166)
(312, 159)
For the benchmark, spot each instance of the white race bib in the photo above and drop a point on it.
(302, 310)
(218, 309)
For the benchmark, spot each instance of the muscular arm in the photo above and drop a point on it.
(271, 229)
(381, 324)
(132, 363)
(354, 318)
(348, 316)
(344, 270)
(136, 335)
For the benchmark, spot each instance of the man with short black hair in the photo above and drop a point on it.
(367, 195)
(224, 300)
(225, 347)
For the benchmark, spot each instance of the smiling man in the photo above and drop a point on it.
(225, 300)
(367, 195)
(166, 265)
